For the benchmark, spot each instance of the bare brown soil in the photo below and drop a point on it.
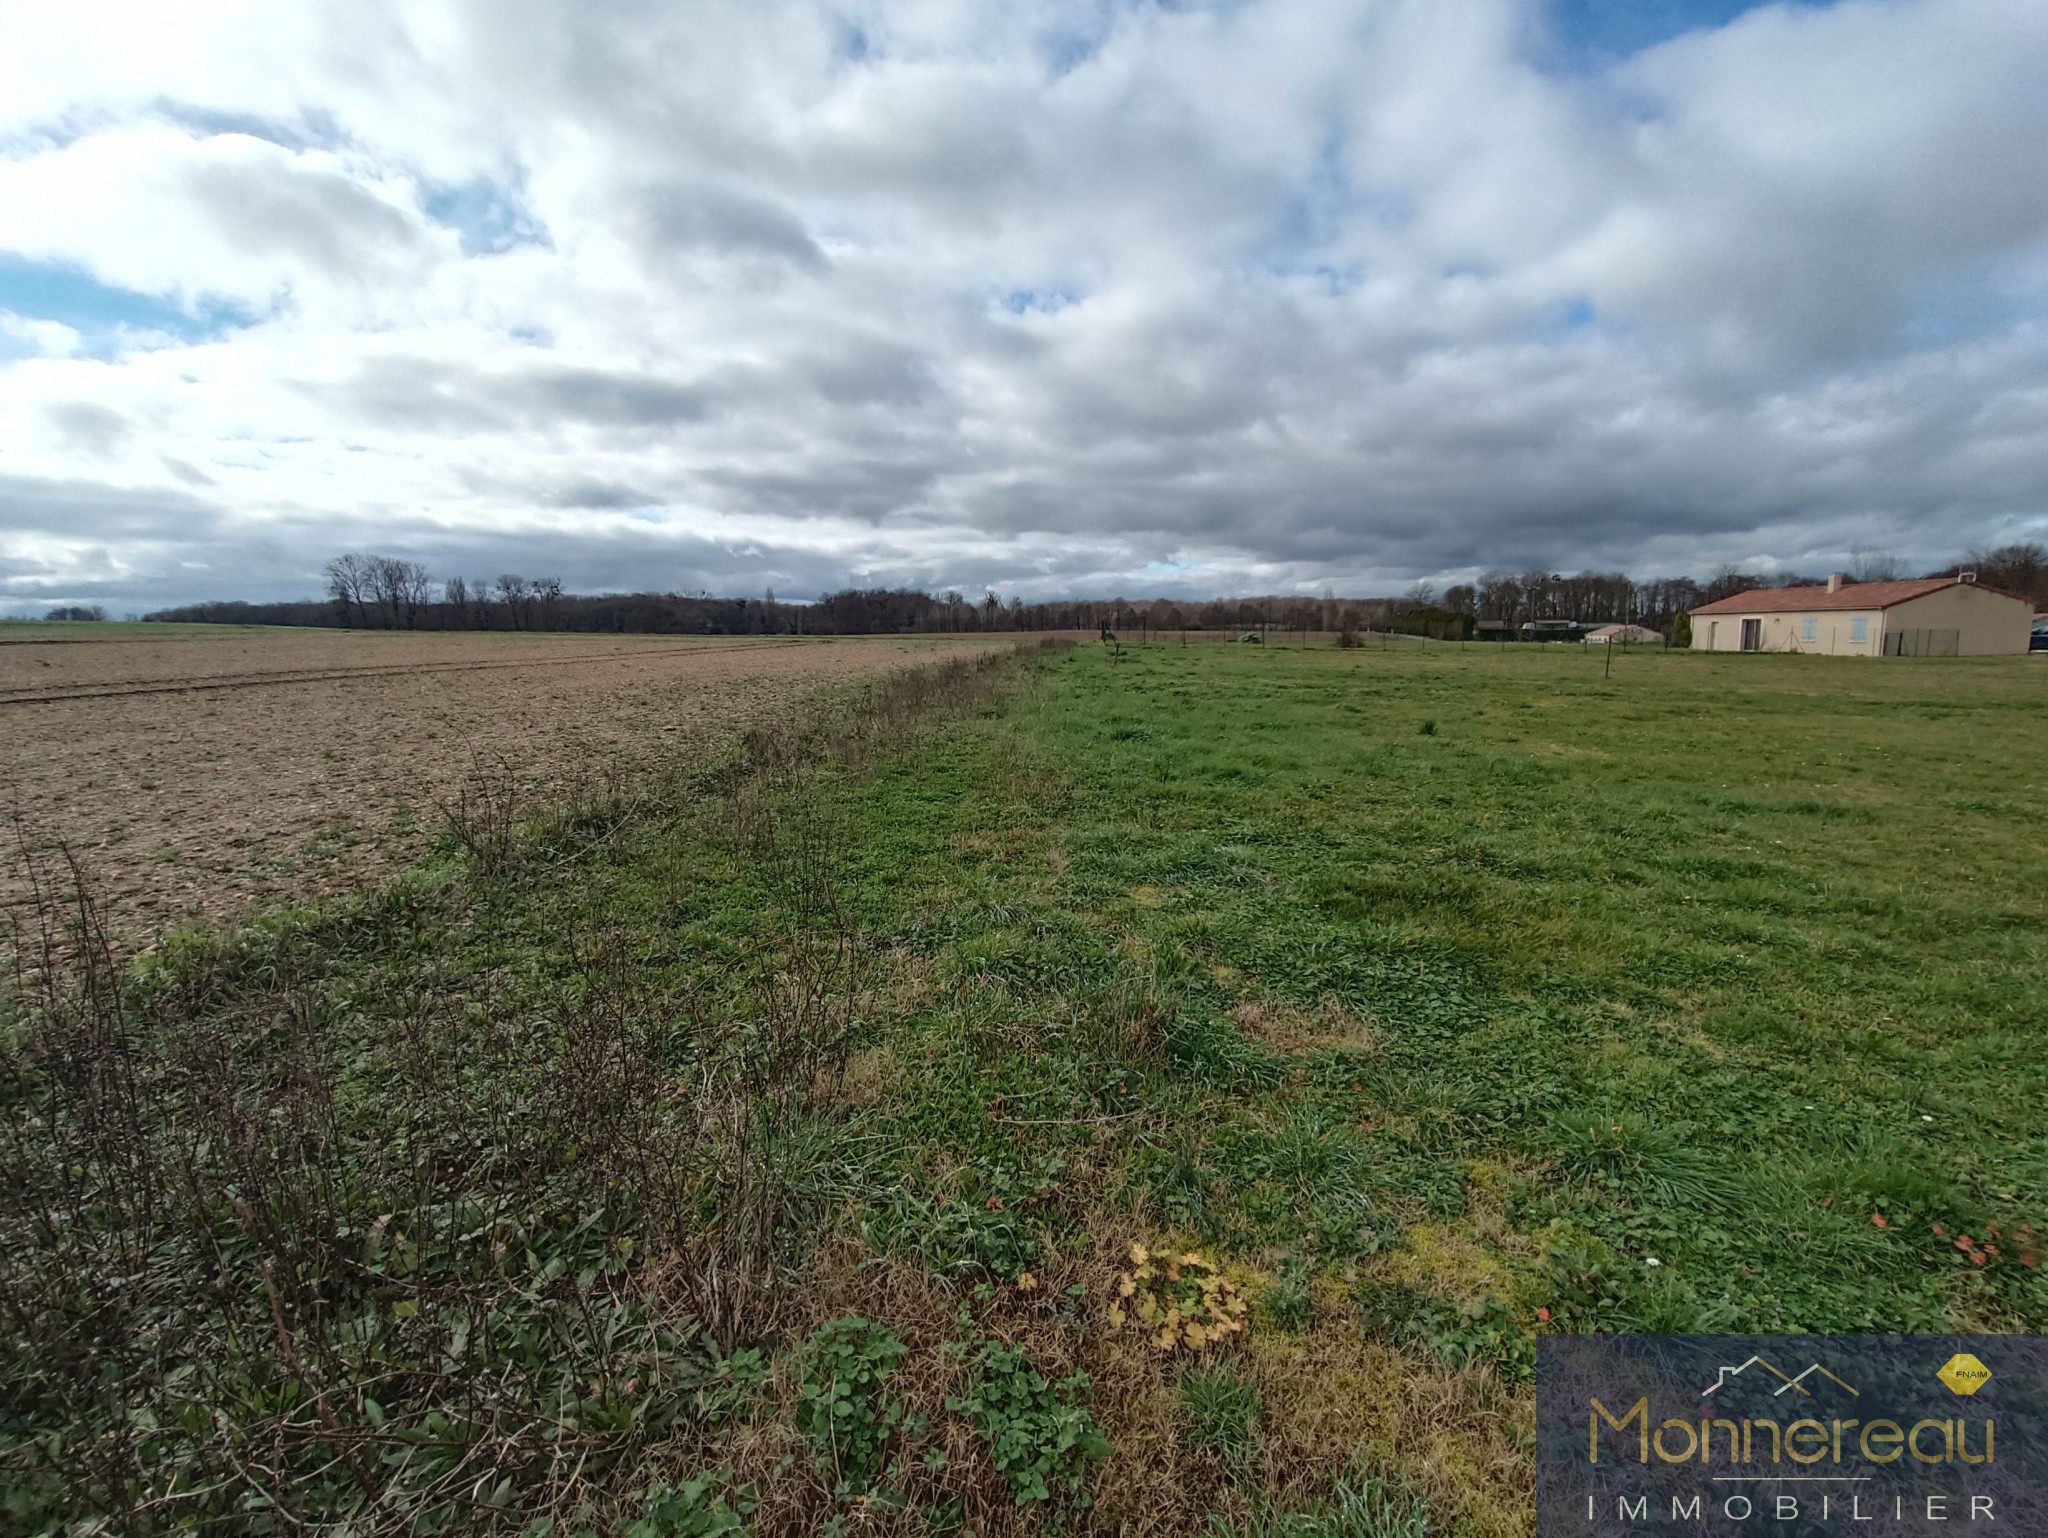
(199, 773)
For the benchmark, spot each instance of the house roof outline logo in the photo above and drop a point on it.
(1786, 1381)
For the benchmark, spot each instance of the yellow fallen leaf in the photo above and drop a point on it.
(1116, 1317)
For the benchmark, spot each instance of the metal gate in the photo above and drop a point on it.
(1921, 643)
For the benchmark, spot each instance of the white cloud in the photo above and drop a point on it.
(1056, 295)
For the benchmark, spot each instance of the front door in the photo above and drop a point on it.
(1752, 635)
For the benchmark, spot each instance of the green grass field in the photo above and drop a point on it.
(1433, 995)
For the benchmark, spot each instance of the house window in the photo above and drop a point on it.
(1809, 629)
(1859, 628)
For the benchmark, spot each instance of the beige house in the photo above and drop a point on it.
(1930, 617)
(1624, 635)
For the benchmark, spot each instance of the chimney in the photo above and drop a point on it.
(1836, 579)
(1966, 576)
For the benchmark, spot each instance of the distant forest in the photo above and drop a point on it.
(385, 593)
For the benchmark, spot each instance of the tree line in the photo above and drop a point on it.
(373, 592)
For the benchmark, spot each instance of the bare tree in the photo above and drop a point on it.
(400, 589)
(513, 594)
(1868, 565)
(547, 592)
(348, 584)
(2021, 568)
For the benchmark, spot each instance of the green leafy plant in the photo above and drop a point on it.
(1481, 1330)
(697, 1508)
(983, 1230)
(732, 1387)
(1037, 1432)
(845, 1412)
(1221, 1412)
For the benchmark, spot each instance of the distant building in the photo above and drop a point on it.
(1932, 617)
(1624, 635)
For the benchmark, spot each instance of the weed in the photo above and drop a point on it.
(1287, 1302)
(697, 1508)
(1361, 1507)
(1038, 1434)
(1178, 1300)
(482, 818)
(1628, 1153)
(732, 1387)
(1220, 1412)
(845, 1411)
(1483, 1329)
(984, 1233)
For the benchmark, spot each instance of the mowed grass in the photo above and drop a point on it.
(1469, 993)
(1438, 995)
(1711, 963)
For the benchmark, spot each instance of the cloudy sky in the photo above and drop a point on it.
(1049, 296)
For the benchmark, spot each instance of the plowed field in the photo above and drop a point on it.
(197, 772)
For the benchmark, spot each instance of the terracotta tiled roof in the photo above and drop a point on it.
(1850, 595)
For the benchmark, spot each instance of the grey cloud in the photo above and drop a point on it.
(705, 217)
(94, 430)
(191, 475)
(96, 510)
(1346, 294)
(430, 395)
(320, 218)
(596, 494)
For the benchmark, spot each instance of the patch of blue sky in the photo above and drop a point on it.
(1332, 279)
(1562, 321)
(1066, 48)
(1586, 36)
(105, 317)
(56, 134)
(1038, 301)
(488, 217)
(851, 41)
(315, 128)
(15, 345)
(1971, 300)
(1081, 34)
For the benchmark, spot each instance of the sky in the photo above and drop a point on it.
(1050, 297)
